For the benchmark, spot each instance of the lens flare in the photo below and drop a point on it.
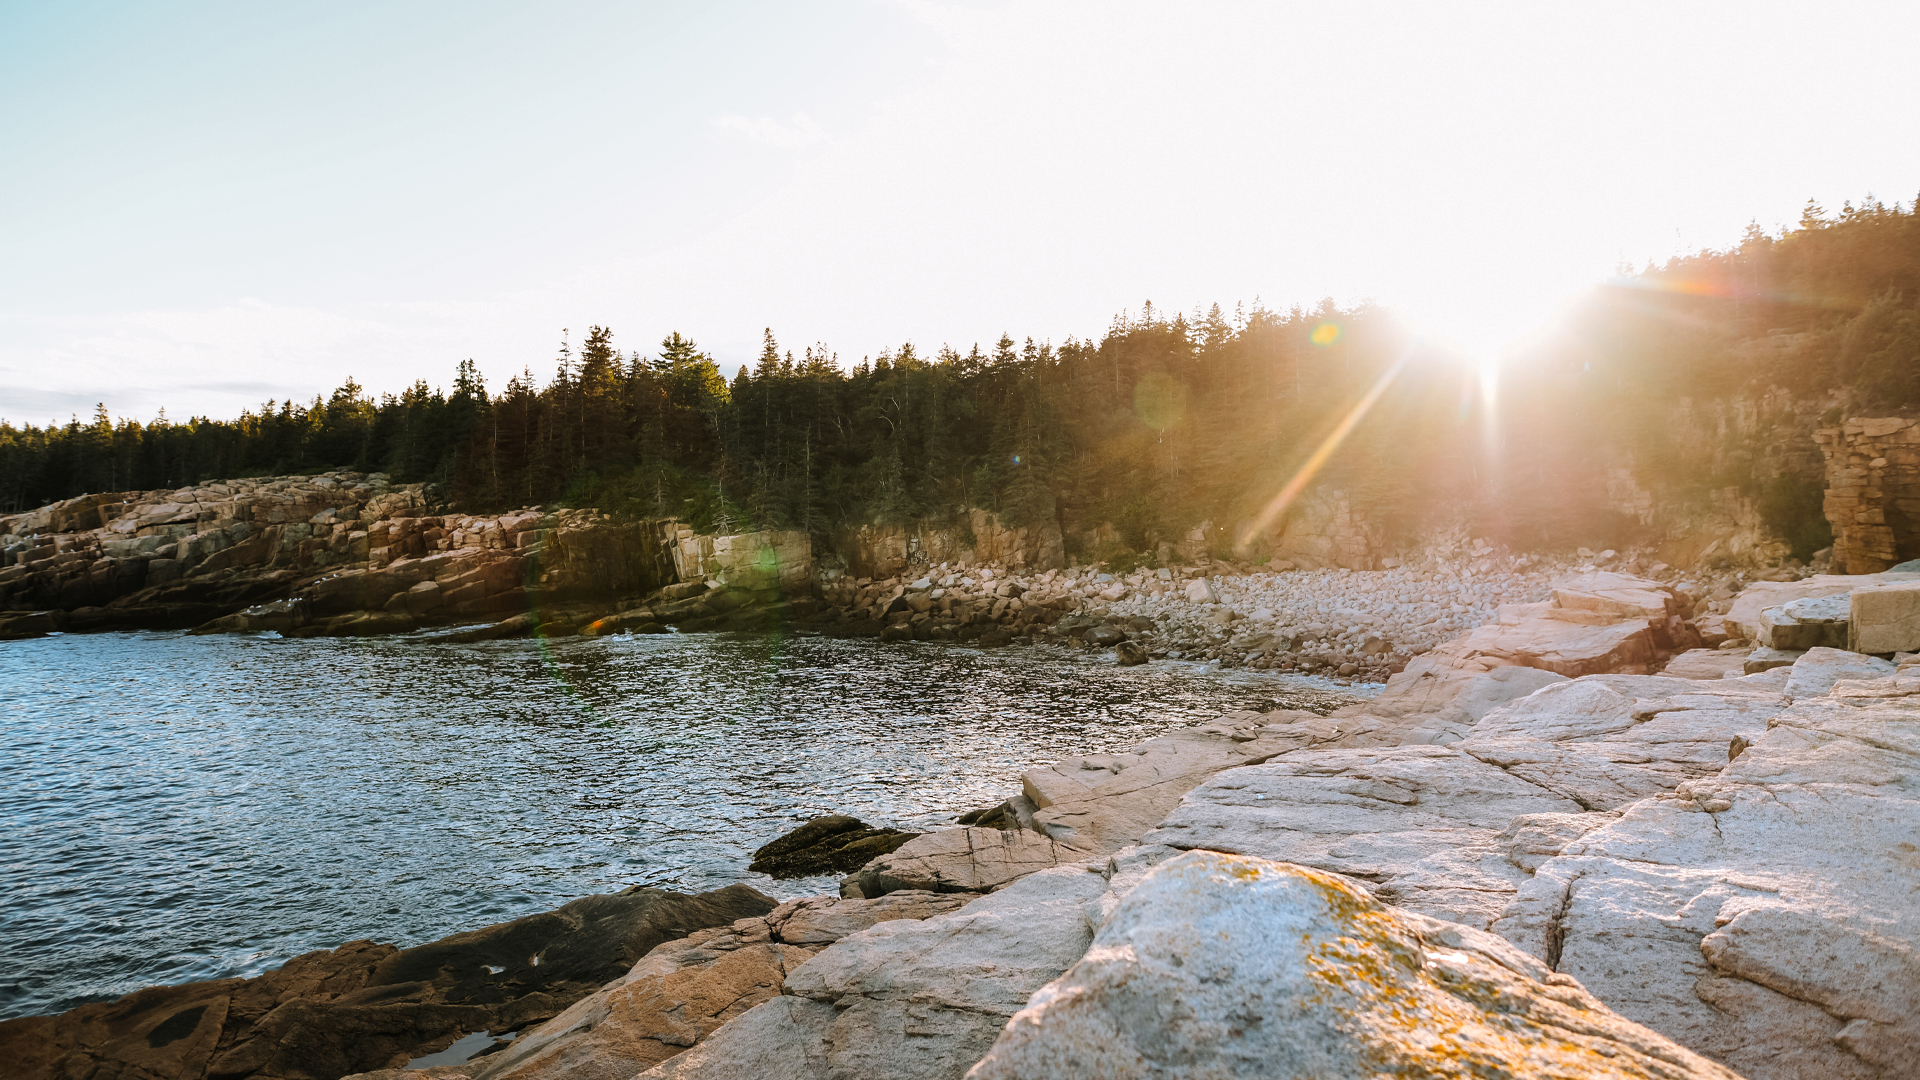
(1325, 334)
(1278, 505)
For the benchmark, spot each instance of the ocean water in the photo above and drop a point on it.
(179, 808)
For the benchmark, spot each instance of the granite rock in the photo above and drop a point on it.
(1219, 966)
(1763, 916)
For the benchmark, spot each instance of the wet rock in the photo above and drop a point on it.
(366, 1006)
(1130, 653)
(835, 844)
(1222, 966)
(31, 624)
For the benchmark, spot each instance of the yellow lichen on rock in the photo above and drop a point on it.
(1227, 966)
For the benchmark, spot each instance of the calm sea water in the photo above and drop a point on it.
(181, 808)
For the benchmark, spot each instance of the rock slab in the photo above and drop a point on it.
(1219, 966)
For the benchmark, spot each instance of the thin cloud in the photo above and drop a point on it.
(802, 130)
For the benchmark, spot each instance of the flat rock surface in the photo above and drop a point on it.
(1220, 966)
(1433, 828)
(1764, 915)
(1608, 740)
(1105, 802)
(1420, 824)
(1706, 664)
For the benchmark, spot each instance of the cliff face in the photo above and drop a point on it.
(1873, 492)
(345, 542)
(881, 551)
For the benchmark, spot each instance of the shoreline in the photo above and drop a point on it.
(1499, 801)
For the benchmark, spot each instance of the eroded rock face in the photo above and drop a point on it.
(1763, 915)
(1223, 966)
(366, 1006)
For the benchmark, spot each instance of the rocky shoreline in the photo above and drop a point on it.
(1597, 823)
(350, 554)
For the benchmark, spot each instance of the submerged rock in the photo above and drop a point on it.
(1218, 966)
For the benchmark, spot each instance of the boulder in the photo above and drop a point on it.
(1885, 618)
(367, 1006)
(1745, 616)
(1219, 966)
(1763, 915)
(1618, 598)
(31, 624)
(683, 990)
(1822, 619)
(1130, 654)
(826, 845)
(1201, 591)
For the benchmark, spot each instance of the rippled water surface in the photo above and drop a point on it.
(181, 808)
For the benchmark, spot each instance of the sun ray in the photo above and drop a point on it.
(1279, 503)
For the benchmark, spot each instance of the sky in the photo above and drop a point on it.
(207, 205)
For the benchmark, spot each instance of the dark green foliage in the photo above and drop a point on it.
(1163, 424)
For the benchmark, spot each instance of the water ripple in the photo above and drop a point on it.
(193, 808)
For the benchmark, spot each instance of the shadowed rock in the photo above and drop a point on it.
(366, 1006)
(835, 844)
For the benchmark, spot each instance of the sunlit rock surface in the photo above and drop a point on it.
(1223, 966)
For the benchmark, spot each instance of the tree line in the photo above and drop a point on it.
(1164, 421)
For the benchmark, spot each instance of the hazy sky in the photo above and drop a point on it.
(204, 205)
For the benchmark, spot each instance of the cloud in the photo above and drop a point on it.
(802, 130)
